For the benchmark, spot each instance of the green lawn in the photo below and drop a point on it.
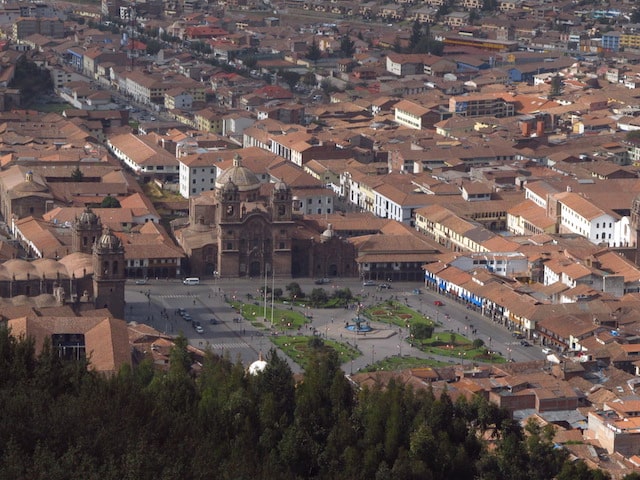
(395, 313)
(402, 363)
(297, 348)
(283, 320)
(457, 346)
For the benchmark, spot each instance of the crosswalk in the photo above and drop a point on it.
(221, 346)
(177, 295)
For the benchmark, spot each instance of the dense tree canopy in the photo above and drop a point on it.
(58, 420)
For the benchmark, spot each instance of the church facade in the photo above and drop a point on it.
(245, 228)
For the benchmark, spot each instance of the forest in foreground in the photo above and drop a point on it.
(60, 421)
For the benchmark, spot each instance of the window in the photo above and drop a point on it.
(229, 246)
(193, 181)
(193, 190)
(309, 201)
(281, 246)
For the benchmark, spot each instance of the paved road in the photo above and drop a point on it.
(239, 340)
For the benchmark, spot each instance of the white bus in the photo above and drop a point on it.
(191, 281)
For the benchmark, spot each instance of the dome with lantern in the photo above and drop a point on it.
(243, 178)
(108, 241)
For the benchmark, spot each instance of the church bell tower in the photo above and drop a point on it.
(108, 273)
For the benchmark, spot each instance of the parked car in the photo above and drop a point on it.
(141, 281)
(546, 350)
(438, 303)
(187, 317)
(322, 281)
(524, 343)
(385, 285)
(199, 329)
(369, 283)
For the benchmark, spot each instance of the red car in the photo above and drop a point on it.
(438, 303)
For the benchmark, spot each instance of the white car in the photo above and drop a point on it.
(546, 350)
(199, 329)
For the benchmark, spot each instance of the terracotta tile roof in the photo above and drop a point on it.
(580, 205)
(106, 339)
(142, 151)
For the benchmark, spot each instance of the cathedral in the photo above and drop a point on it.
(246, 228)
(92, 277)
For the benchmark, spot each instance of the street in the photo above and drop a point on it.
(156, 304)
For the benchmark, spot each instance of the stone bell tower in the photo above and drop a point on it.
(87, 229)
(108, 273)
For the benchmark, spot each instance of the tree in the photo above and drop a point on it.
(110, 202)
(555, 90)
(489, 5)
(478, 343)
(309, 79)
(294, 290)
(77, 175)
(318, 296)
(314, 53)
(347, 46)
(153, 46)
(416, 34)
(291, 78)
(250, 62)
(421, 331)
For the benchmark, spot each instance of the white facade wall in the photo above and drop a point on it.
(195, 180)
(407, 119)
(535, 198)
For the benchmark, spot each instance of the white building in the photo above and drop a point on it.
(506, 264)
(314, 201)
(198, 174)
(410, 114)
(578, 215)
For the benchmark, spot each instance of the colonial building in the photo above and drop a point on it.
(246, 228)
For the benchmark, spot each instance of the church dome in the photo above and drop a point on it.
(29, 185)
(328, 233)
(280, 186)
(229, 186)
(243, 178)
(108, 241)
(87, 217)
